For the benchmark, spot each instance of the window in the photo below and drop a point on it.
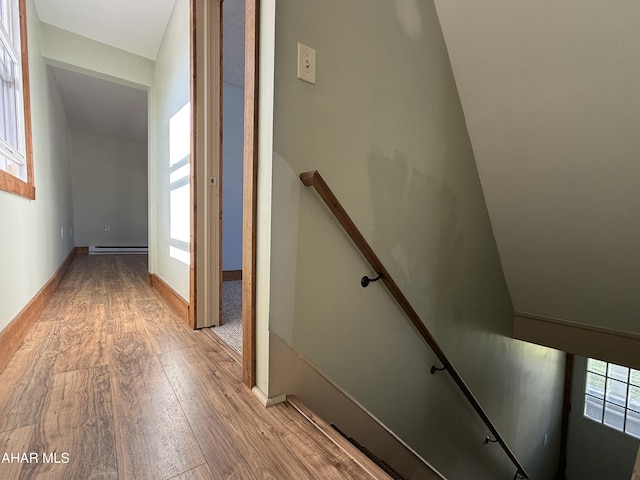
(612, 396)
(16, 164)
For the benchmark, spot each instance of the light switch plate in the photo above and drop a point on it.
(306, 64)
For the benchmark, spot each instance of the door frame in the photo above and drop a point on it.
(206, 224)
(250, 182)
(205, 272)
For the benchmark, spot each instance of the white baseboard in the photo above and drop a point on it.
(106, 250)
(268, 401)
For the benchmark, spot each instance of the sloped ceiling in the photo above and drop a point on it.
(137, 27)
(551, 95)
(99, 106)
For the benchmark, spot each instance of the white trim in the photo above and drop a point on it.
(11, 153)
(10, 44)
(615, 346)
(583, 326)
(266, 401)
(207, 165)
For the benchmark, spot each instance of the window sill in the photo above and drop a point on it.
(14, 185)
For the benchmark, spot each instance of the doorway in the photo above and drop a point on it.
(229, 329)
(206, 275)
(107, 137)
(134, 62)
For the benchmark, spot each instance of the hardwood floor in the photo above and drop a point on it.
(110, 384)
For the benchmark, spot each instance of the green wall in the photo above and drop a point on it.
(31, 245)
(170, 93)
(385, 128)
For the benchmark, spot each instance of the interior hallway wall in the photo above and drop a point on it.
(385, 128)
(171, 92)
(109, 188)
(36, 235)
(232, 157)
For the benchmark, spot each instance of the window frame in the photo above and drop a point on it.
(8, 182)
(605, 397)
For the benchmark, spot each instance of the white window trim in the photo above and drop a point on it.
(20, 186)
(594, 398)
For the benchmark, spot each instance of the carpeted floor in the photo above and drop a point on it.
(231, 329)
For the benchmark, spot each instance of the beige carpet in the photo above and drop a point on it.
(231, 329)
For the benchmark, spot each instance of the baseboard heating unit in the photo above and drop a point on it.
(99, 250)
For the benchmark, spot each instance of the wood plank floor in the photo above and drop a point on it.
(110, 384)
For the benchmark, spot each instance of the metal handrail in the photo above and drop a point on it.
(315, 180)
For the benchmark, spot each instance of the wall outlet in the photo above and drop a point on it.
(544, 442)
(107, 228)
(61, 232)
(306, 64)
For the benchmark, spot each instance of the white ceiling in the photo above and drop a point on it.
(550, 92)
(137, 27)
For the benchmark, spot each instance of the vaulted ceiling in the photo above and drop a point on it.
(550, 92)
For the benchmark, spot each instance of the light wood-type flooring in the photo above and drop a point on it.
(110, 384)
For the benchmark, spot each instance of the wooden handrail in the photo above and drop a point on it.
(315, 180)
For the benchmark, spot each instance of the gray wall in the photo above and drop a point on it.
(109, 188)
(31, 245)
(385, 128)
